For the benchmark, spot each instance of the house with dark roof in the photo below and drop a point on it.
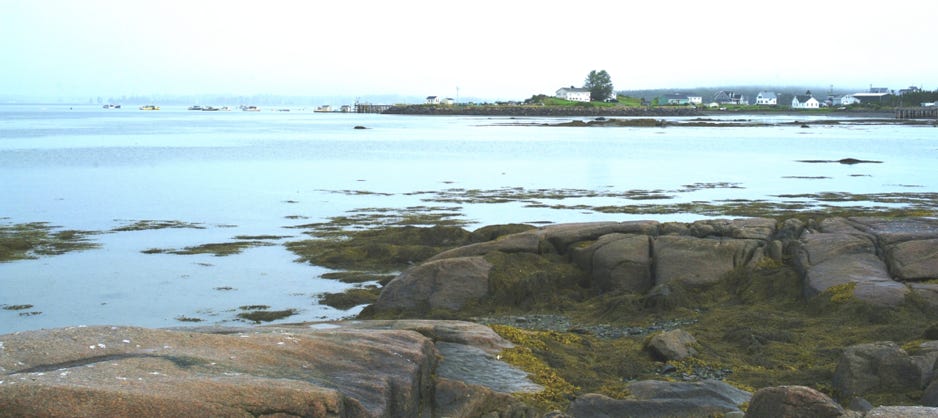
(730, 97)
(805, 101)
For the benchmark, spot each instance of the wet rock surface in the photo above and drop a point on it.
(355, 371)
(664, 399)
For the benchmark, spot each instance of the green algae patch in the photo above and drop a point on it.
(557, 390)
(145, 225)
(523, 281)
(841, 293)
(355, 277)
(216, 249)
(36, 239)
(350, 298)
(381, 250)
(263, 314)
(341, 227)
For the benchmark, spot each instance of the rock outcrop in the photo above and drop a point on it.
(360, 369)
(883, 259)
(876, 261)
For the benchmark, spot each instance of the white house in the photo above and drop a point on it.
(805, 101)
(695, 100)
(574, 94)
(847, 100)
(432, 100)
(767, 98)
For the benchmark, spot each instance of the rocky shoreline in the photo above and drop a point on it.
(750, 317)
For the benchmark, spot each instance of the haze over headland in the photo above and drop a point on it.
(483, 50)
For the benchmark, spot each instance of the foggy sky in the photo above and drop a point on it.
(485, 49)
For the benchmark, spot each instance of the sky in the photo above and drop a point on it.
(490, 50)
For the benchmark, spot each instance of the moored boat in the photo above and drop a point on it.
(149, 107)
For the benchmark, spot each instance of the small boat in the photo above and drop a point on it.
(196, 107)
(250, 108)
(149, 107)
(110, 106)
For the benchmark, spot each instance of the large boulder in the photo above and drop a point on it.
(340, 369)
(792, 402)
(654, 398)
(866, 271)
(817, 248)
(913, 260)
(617, 262)
(698, 261)
(441, 284)
(113, 371)
(672, 345)
(841, 252)
(875, 368)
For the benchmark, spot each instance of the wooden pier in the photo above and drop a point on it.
(930, 112)
(370, 108)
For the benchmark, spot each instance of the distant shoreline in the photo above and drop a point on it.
(577, 111)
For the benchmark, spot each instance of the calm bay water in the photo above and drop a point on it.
(257, 173)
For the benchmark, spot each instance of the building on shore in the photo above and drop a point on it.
(574, 94)
(767, 98)
(805, 101)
